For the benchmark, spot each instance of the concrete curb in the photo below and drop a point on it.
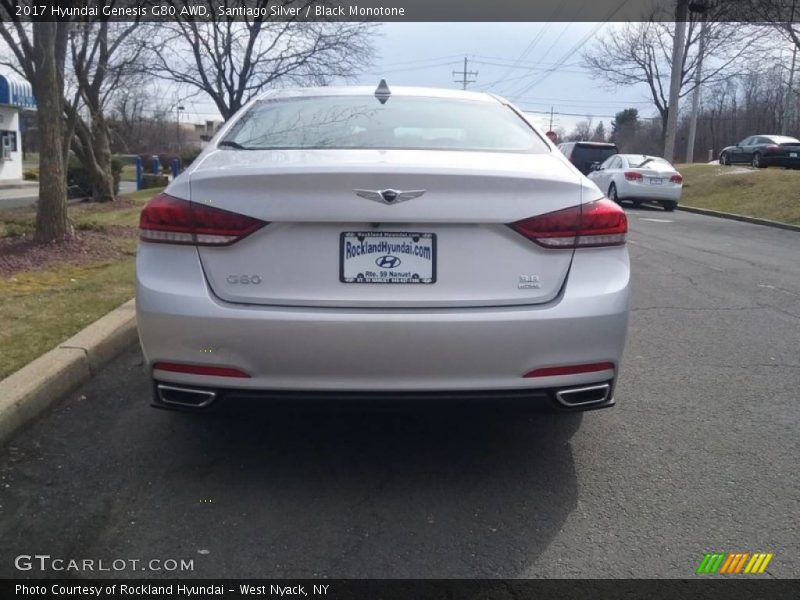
(735, 217)
(27, 393)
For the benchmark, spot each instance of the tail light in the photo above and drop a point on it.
(633, 176)
(772, 148)
(598, 223)
(677, 178)
(170, 220)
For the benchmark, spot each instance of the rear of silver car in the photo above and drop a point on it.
(414, 265)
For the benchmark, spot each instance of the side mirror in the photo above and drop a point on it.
(596, 167)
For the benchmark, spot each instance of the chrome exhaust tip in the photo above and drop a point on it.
(184, 397)
(584, 396)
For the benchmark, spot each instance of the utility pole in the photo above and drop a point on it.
(551, 119)
(465, 75)
(788, 107)
(698, 77)
(681, 13)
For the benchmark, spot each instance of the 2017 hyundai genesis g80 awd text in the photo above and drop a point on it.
(404, 242)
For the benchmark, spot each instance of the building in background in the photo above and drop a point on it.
(16, 95)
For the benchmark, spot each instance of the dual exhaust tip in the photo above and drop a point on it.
(583, 397)
(174, 396)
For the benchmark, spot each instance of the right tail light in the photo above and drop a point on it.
(591, 225)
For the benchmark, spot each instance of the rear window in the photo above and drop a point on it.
(592, 153)
(782, 139)
(419, 123)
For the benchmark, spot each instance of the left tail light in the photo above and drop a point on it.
(633, 176)
(590, 225)
(171, 220)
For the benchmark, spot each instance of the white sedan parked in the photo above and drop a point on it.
(639, 178)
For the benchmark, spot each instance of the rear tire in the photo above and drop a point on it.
(612, 193)
(758, 162)
(669, 205)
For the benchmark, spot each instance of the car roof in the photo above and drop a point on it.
(363, 90)
(642, 156)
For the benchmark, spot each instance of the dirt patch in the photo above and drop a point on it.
(22, 253)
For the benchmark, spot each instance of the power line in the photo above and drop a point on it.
(529, 48)
(420, 68)
(575, 48)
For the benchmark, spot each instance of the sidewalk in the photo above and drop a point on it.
(18, 185)
(16, 196)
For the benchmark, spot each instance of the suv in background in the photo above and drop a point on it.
(584, 155)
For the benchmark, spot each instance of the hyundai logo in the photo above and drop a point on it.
(388, 262)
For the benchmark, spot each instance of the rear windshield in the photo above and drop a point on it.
(638, 160)
(401, 123)
(783, 139)
(592, 153)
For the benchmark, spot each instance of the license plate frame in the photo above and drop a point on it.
(417, 277)
(656, 180)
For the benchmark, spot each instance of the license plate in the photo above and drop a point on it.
(792, 154)
(656, 180)
(387, 257)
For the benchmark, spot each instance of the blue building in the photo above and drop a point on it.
(16, 95)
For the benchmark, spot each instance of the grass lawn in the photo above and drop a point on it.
(772, 193)
(41, 307)
(128, 173)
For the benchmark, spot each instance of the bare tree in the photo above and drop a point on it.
(39, 53)
(104, 55)
(583, 131)
(641, 54)
(232, 59)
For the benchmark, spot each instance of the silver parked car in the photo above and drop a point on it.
(399, 242)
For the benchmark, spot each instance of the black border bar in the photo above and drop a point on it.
(731, 588)
(394, 10)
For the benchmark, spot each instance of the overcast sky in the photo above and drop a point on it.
(515, 60)
(426, 54)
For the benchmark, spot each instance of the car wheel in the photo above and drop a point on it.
(669, 205)
(612, 193)
(757, 162)
(724, 159)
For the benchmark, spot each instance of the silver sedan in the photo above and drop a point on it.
(403, 242)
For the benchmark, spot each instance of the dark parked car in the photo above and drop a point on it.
(586, 154)
(763, 151)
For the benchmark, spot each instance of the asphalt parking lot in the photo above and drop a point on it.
(700, 454)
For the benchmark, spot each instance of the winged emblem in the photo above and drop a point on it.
(389, 196)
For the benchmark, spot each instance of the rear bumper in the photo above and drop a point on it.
(570, 399)
(390, 350)
(780, 161)
(643, 191)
